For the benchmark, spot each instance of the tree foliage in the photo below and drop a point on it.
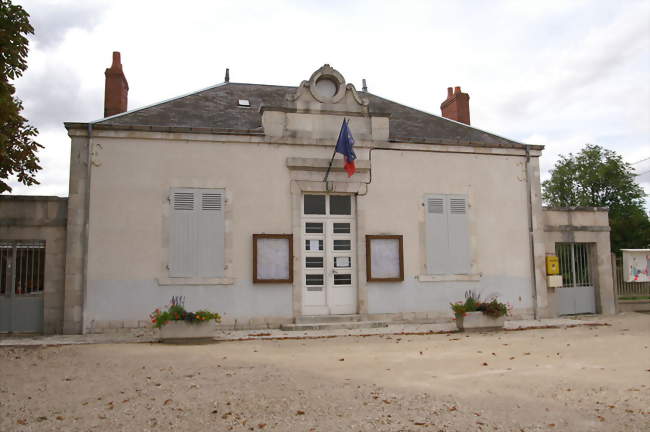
(597, 177)
(17, 146)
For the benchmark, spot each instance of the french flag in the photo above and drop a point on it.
(344, 146)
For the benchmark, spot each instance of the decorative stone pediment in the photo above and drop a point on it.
(327, 89)
(316, 109)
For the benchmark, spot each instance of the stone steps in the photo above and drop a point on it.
(312, 319)
(343, 325)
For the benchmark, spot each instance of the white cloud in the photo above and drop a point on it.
(557, 73)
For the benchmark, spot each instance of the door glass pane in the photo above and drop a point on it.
(341, 228)
(314, 262)
(340, 204)
(314, 227)
(314, 204)
(314, 279)
(342, 279)
(342, 262)
(342, 245)
(314, 245)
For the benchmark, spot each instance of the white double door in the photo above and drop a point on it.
(329, 265)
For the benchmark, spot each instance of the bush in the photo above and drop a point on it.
(473, 303)
(176, 312)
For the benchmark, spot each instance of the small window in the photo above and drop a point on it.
(340, 205)
(313, 245)
(314, 227)
(314, 204)
(342, 279)
(341, 228)
(314, 279)
(342, 245)
(314, 262)
(244, 103)
(342, 262)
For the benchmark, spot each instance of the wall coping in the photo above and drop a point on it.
(568, 209)
(32, 198)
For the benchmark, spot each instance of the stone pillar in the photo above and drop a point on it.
(76, 238)
(539, 251)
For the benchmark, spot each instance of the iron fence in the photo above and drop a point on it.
(574, 264)
(629, 290)
(22, 267)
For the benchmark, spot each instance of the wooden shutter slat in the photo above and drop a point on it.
(459, 251)
(182, 234)
(437, 239)
(210, 245)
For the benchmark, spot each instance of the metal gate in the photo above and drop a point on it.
(22, 278)
(577, 294)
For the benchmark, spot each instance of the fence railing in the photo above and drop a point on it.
(22, 267)
(574, 264)
(629, 289)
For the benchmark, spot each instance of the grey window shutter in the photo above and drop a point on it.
(182, 233)
(196, 235)
(437, 239)
(459, 252)
(211, 227)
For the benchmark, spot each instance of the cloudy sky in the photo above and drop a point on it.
(557, 73)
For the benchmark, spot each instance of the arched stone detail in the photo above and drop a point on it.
(327, 72)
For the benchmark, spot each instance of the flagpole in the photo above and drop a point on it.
(330, 166)
(331, 160)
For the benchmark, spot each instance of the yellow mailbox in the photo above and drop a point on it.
(552, 265)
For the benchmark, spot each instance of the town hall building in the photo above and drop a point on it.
(226, 197)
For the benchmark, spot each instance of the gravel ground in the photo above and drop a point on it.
(590, 378)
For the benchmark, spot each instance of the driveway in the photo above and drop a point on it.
(588, 378)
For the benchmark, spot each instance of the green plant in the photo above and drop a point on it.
(492, 307)
(176, 312)
(598, 177)
(18, 150)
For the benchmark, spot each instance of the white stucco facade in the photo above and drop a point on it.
(132, 174)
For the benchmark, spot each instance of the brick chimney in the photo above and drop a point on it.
(116, 91)
(456, 106)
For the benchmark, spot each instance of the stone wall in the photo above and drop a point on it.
(584, 225)
(41, 218)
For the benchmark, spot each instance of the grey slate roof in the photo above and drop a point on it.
(217, 108)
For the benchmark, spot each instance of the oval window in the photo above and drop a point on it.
(326, 87)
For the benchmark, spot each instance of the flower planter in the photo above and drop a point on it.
(186, 332)
(478, 321)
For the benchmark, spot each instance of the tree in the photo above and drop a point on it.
(17, 146)
(597, 177)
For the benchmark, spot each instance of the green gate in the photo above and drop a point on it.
(22, 278)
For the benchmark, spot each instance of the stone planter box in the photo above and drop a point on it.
(478, 321)
(185, 332)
